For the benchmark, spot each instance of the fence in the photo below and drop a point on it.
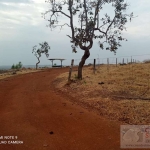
(118, 60)
(123, 77)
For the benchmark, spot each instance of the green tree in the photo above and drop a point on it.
(13, 66)
(44, 48)
(90, 25)
(17, 66)
(20, 65)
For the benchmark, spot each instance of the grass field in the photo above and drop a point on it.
(9, 73)
(121, 92)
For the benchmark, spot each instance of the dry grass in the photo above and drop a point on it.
(121, 93)
(9, 73)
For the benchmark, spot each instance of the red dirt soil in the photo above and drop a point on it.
(31, 109)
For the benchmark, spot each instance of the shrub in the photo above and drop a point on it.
(146, 61)
(17, 66)
(13, 66)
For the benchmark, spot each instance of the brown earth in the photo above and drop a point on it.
(43, 118)
(118, 94)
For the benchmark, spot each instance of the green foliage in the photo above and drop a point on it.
(13, 66)
(107, 29)
(44, 48)
(17, 66)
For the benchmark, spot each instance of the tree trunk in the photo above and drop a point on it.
(37, 63)
(82, 62)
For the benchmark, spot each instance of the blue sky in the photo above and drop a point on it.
(22, 27)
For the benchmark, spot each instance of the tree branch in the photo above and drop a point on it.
(96, 12)
(62, 13)
(100, 30)
(71, 19)
(110, 25)
(63, 25)
(69, 36)
(85, 13)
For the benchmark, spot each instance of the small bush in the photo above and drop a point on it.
(17, 66)
(146, 61)
(13, 66)
(89, 64)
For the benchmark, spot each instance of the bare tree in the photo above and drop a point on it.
(44, 48)
(90, 25)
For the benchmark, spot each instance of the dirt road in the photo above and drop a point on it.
(46, 120)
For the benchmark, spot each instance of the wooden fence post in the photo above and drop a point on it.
(70, 69)
(127, 60)
(123, 61)
(116, 62)
(107, 63)
(94, 66)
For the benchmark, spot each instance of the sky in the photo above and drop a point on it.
(22, 27)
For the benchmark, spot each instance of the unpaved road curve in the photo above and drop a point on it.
(30, 109)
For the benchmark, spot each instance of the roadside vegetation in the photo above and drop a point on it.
(17, 66)
(44, 49)
(92, 24)
(121, 92)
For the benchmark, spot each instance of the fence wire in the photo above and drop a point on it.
(123, 77)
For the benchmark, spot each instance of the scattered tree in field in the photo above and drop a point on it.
(44, 48)
(90, 25)
(17, 66)
(13, 66)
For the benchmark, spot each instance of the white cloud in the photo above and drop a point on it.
(22, 13)
(38, 1)
(21, 21)
(139, 27)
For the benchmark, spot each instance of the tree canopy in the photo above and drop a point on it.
(91, 25)
(44, 48)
